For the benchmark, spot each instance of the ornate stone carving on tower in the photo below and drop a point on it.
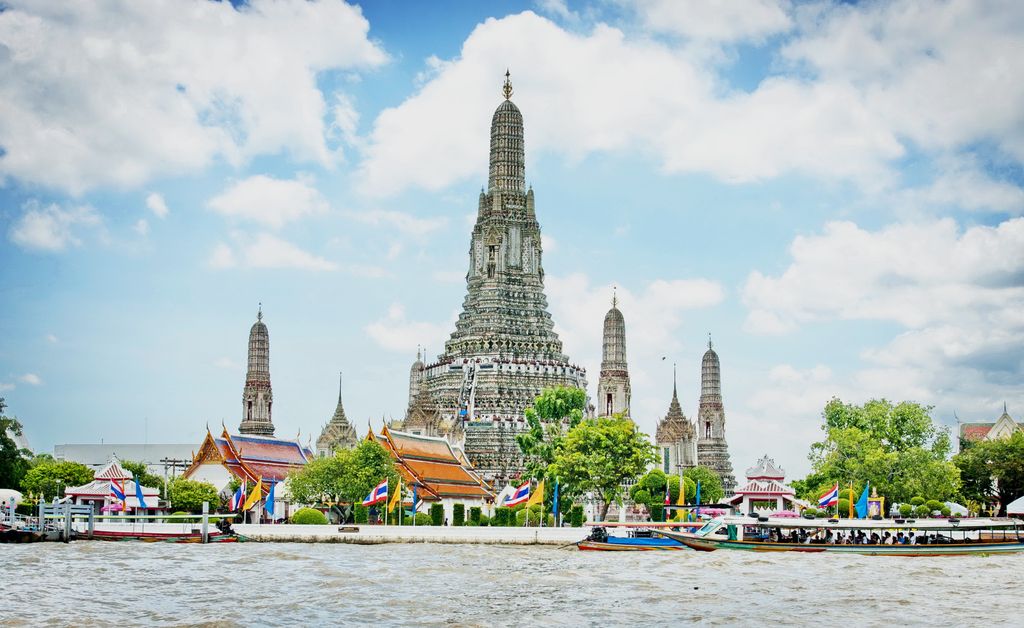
(504, 350)
(415, 376)
(712, 450)
(257, 397)
(613, 390)
(338, 434)
(676, 437)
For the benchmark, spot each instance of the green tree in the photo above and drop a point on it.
(895, 447)
(710, 484)
(141, 472)
(14, 461)
(546, 421)
(347, 476)
(598, 455)
(189, 495)
(49, 478)
(993, 470)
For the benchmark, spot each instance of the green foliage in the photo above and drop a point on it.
(179, 516)
(141, 472)
(934, 505)
(945, 511)
(360, 514)
(474, 514)
(536, 515)
(576, 516)
(992, 470)
(916, 501)
(922, 511)
(309, 517)
(710, 484)
(502, 516)
(348, 476)
(422, 519)
(811, 511)
(843, 508)
(436, 514)
(906, 510)
(189, 495)
(545, 422)
(14, 461)
(484, 520)
(896, 448)
(657, 512)
(50, 477)
(599, 455)
(458, 514)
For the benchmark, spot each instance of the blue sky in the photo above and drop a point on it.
(834, 191)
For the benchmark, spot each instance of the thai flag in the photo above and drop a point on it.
(831, 498)
(237, 498)
(377, 495)
(521, 495)
(116, 491)
(668, 495)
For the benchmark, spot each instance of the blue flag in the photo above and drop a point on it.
(554, 506)
(862, 503)
(138, 494)
(698, 498)
(269, 504)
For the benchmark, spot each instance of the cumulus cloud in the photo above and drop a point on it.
(31, 379)
(52, 228)
(134, 90)
(265, 250)
(270, 201)
(141, 227)
(818, 113)
(395, 332)
(156, 204)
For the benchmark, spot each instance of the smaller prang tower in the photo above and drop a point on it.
(613, 390)
(338, 434)
(712, 450)
(257, 397)
(675, 437)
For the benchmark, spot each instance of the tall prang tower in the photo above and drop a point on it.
(504, 350)
(257, 396)
(712, 450)
(613, 390)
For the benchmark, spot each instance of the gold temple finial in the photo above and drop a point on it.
(615, 296)
(259, 312)
(507, 88)
(710, 346)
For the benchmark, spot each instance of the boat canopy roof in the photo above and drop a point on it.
(972, 523)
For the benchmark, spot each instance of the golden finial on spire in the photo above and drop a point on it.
(259, 312)
(507, 88)
(615, 296)
(710, 346)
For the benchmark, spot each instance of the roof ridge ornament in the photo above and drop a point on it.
(506, 89)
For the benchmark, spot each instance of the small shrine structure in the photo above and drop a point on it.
(766, 491)
(98, 494)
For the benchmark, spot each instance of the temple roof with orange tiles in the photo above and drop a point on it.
(250, 457)
(433, 465)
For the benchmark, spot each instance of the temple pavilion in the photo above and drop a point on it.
(765, 491)
(246, 457)
(98, 495)
(441, 473)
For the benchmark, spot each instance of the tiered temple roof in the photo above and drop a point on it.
(338, 434)
(99, 488)
(437, 469)
(1002, 427)
(764, 480)
(250, 458)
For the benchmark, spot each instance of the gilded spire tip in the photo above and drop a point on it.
(506, 89)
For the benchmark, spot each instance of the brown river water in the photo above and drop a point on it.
(129, 584)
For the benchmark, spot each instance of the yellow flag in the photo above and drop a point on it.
(538, 495)
(254, 496)
(397, 499)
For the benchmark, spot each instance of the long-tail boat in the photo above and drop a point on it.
(191, 536)
(881, 537)
(640, 537)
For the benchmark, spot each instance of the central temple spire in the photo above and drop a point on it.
(508, 157)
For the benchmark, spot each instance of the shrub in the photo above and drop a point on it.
(550, 520)
(458, 514)
(179, 517)
(916, 501)
(843, 509)
(534, 518)
(657, 512)
(502, 516)
(946, 511)
(821, 514)
(436, 514)
(812, 511)
(422, 519)
(923, 510)
(484, 520)
(474, 514)
(576, 516)
(309, 517)
(361, 513)
(906, 510)
(934, 505)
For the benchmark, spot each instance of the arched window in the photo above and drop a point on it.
(707, 429)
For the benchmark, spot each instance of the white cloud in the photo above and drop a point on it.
(156, 204)
(402, 222)
(31, 378)
(51, 228)
(226, 363)
(52, 339)
(141, 227)
(4, 387)
(960, 183)
(136, 90)
(395, 332)
(265, 250)
(716, 20)
(269, 201)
